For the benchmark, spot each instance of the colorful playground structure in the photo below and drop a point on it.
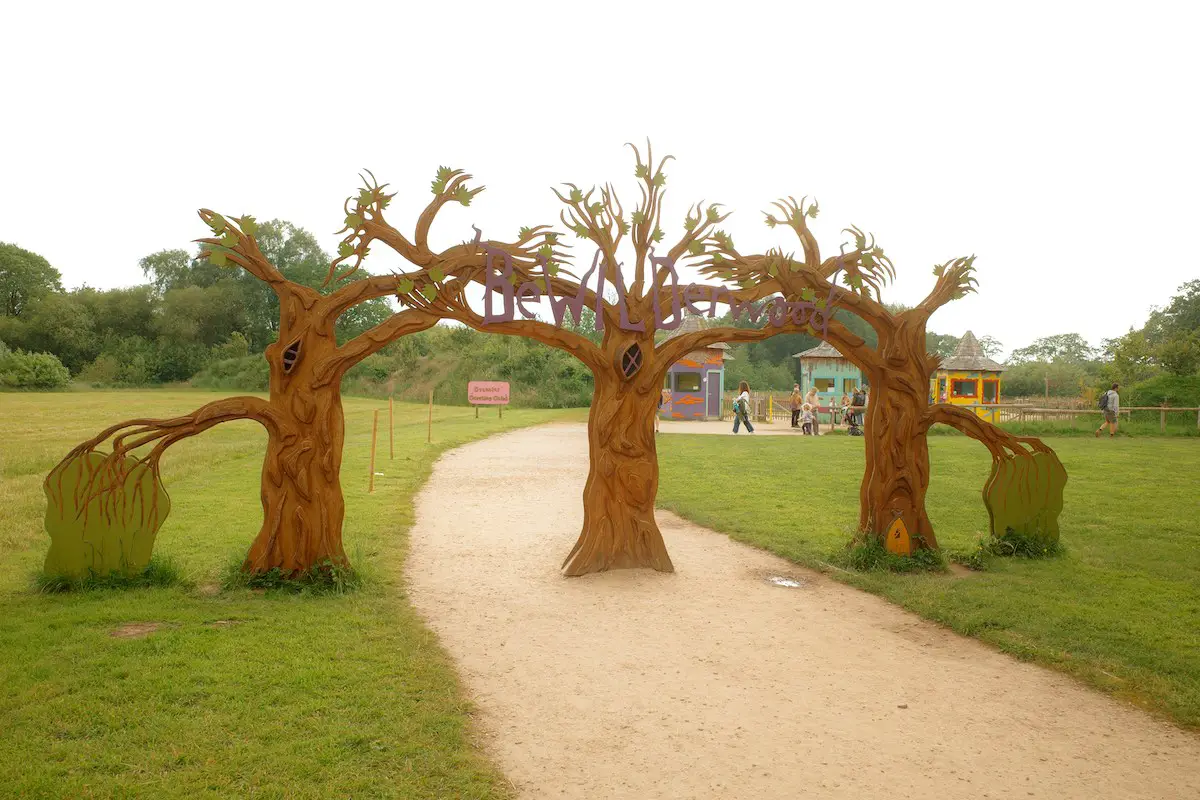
(968, 378)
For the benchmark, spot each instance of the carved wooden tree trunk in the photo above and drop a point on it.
(897, 454)
(619, 529)
(303, 507)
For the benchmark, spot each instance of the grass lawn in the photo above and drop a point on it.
(237, 694)
(1120, 610)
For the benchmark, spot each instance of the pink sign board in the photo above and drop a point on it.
(487, 393)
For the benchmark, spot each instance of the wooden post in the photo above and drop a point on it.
(476, 412)
(429, 433)
(1047, 388)
(1162, 419)
(391, 429)
(500, 409)
(374, 431)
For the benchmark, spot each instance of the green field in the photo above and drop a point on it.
(1120, 609)
(237, 694)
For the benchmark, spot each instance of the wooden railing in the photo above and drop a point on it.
(771, 406)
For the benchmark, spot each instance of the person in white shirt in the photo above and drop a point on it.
(741, 408)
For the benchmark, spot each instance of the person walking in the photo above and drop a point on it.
(741, 408)
(1110, 402)
(814, 402)
(796, 403)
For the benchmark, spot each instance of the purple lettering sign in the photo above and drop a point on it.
(776, 312)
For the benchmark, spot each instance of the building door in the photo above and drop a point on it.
(712, 408)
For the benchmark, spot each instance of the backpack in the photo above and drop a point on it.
(1104, 402)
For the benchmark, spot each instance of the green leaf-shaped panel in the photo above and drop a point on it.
(102, 515)
(1024, 495)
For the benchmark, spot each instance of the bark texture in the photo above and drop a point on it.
(619, 528)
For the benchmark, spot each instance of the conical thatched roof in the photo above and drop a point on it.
(823, 350)
(969, 357)
(692, 323)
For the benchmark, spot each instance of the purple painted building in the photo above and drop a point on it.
(696, 381)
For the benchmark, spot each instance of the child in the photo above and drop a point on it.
(806, 417)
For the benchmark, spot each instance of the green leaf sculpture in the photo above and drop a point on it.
(1024, 496)
(102, 515)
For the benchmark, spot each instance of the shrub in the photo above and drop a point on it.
(20, 370)
(248, 374)
(1173, 390)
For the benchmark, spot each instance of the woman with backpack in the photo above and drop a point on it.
(741, 408)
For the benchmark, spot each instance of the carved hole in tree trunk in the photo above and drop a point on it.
(291, 356)
(631, 360)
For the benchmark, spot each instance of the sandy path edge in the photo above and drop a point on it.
(714, 682)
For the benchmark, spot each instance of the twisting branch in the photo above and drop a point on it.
(333, 367)
(134, 434)
(998, 441)
(451, 303)
(237, 244)
(956, 279)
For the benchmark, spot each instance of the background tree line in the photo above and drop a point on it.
(192, 321)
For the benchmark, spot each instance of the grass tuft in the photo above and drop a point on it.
(162, 572)
(868, 554)
(324, 578)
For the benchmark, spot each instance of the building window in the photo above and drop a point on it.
(991, 391)
(687, 381)
(824, 384)
(849, 385)
(964, 388)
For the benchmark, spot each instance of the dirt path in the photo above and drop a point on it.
(714, 682)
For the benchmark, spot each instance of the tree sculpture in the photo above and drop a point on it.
(628, 365)
(1024, 492)
(301, 494)
(302, 499)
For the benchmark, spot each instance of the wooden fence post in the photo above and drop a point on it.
(1162, 419)
(391, 429)
(374, 431)
(429, 433)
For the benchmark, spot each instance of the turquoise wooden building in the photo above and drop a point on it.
(830, 372)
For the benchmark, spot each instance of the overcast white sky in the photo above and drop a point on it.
(1058, 142)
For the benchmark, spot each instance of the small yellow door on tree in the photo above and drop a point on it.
(898, 540)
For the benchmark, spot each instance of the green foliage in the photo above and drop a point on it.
(24, 278)
(1171, 390)
(245, 374)
(31, 371)
(1064, 378)
(1063, 347)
